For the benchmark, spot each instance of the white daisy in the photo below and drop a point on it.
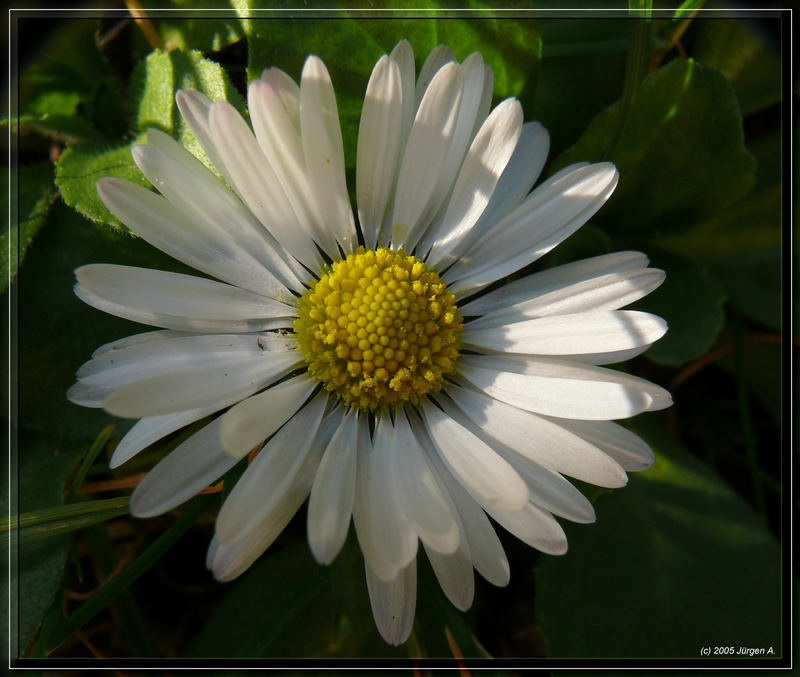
(402, 394)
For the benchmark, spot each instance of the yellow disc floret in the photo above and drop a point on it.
(379, 329)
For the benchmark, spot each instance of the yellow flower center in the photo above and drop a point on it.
(379, 329)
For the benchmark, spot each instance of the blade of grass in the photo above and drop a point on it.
(49, 622)
(635, 64)
(88, 461)
(65, 518)
(130, 620)
(129, 574)
(687, 8)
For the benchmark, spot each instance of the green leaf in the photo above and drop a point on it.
(675, 562)
(193, 28)
(34, 193)
(741, 246)
(691, 301)
(69, 88)
(67, 128)
(681, 156)
(742, 52)
(80, 167)
(37, 565)
(154, 85)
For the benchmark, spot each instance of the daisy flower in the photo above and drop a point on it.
(394, 373)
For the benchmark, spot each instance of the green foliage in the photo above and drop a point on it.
(191, 28)
(741, 52)
(56, 126)
(35, 192)
(699, 566)
(741, 245)
(681, 156)
(691, 301)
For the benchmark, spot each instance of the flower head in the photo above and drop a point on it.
(394, 374)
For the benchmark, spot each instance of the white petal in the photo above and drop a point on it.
(117, 367)
(438, 58)
(176, 301)
(525, 364)
(171, 230)
(136, 339)
(271, 474)
(560, 389)
(425, 153)
(278, 136)
(485, 548)
(485, 103)
(555, 210)
(555, 279)
(253, 420)
(533, 526)
(155, 350)
(418, 492)
(393, 602)
(379, 137)
(548, 489)
(186, 182)
(454, 573)
(194, 107)
(403, 56)
(185, 471)
(539, 439)
(322, 145)
(603, 293)
(257, 184)
(232, 558)
(213, 549)
(179, 323)
(153, 428)
(200, 386)
(384, 533)
(288, 91)
(574, 334)
(478, 467)
(551, 491)
(485, 161)
(626, 448)
(333, 492)
(473, 72)
(517, 179)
